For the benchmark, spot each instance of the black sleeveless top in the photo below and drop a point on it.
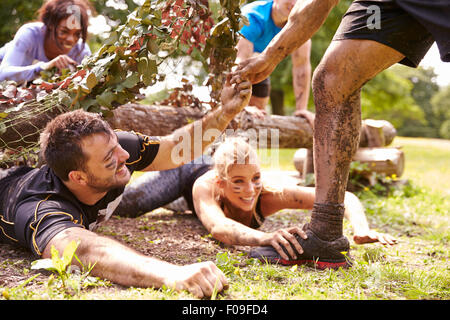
(257, 218)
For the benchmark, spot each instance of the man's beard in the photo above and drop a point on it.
(100, 185)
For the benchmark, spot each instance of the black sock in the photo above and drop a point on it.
(327, 220)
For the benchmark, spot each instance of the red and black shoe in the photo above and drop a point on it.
(316, 252)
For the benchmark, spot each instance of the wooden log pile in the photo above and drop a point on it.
(277, 132)
(376, 136)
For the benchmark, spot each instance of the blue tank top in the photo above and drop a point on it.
(262, 29)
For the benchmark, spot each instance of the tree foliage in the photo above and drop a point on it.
(13, 14)
(440, 106)
(388, 96)
(128, 60)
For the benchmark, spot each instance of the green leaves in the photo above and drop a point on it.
(70, 278)
(57, 264)
(106, 98)
(130, 59)
(130, 56)
(152, 46)
(91, 80)
(147, 69)
(61, 264)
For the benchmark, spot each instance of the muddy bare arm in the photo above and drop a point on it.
(190, 141)
(125, 266)
(233, 232)
(354, 212)
(304, 20)
(297, 197)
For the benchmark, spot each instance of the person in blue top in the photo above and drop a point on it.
(372, 36)
(267, 18)
(58, 39)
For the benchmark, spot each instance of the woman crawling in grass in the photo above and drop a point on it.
(232, 199)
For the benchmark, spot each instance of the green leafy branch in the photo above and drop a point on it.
(129, 60)
(69, 280)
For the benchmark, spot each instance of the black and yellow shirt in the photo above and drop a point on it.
(36, 205)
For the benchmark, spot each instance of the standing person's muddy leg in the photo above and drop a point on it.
(346, 66)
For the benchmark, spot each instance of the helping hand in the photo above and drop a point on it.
(235, 97)
(256, 69)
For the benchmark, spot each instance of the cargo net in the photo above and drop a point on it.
(131, 58)
(20, 127)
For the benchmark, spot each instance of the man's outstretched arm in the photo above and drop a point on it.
(123, 265)
(189, 142)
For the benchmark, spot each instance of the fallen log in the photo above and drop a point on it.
(21, 126)
(152, 120)
(277, 131)
(390, 161)
(376, 133)
(291, 131)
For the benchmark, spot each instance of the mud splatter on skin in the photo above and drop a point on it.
(336, 138)
(337, 82)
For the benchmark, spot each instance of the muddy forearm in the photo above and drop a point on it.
(113, 261)
(305, 19)
(238, 234)
(127, 267)
(354, 213)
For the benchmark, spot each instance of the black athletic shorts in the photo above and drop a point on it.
(408, 26)
(261, 89)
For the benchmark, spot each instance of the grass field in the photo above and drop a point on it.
(416, 268)
(417, 214)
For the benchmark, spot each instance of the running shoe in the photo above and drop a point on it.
(316, 252)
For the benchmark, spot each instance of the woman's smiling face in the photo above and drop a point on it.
(242, 185)
(67, 34)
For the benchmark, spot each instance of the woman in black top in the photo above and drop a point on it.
(232, 199)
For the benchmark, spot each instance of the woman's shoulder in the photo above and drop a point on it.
(208, 177)
(205, 183)
(29, 38)
(30, 34)
(34, 29)
(206, 180)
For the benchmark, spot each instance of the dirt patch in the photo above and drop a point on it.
(180, 238)
(174, 237)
